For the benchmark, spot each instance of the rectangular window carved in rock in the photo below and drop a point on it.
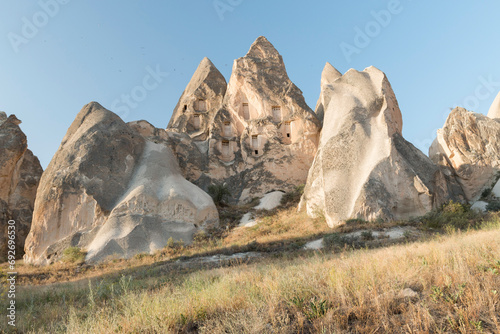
(227, 129)
(255, 141)
(288, 129)
(225, 148)
(201, 105)
(196, 121)
(276, 113)
(246, 111)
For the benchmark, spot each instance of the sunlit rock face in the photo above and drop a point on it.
(112, 191)
(199, 103)
(468, 146)
(328, 76)
(20, 173)
(262, 138)
(364, 167)
(494, 111)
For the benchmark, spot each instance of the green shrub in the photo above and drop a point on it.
(453, 215)
(293, 197)
(336, 240)
(73, 255)
(367, 235)
(493, 206)
(486, 192)
(219, 193)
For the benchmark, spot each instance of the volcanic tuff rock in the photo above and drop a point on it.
(200, 101)
(364, 168)
(20, 173)
(262, 138)
(494, 111)
(328, 76)
(110, 191)
(468, 145)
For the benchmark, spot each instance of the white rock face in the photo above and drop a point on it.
(262, 138)
(494, 111)
(480, 206)
(467, 145)
(328, 76)
(270, 201)
(109, 190)
(364, 168)
(496, 189)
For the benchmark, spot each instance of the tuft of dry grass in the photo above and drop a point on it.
(455, 280)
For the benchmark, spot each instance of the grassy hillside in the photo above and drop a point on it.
(442, 283)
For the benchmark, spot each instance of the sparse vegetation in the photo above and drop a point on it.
(73, 255)
(347, 287)
(219, 192)
(455, 278)
(493, 206)
(292, 198)
(453, 215)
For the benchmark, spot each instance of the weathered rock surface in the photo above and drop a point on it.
(200, 101)
(109, 190)
(468, 145)
(494, 111)
(328, 76)
(20, 173)
(364, 168)
(263, 137)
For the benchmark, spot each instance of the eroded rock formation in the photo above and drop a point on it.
(494, 111)
(262, 138)
(20, 173)
(468, 145)
(364, 167)
(328, 76)
(109, 190)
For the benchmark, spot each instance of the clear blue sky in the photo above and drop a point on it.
(434, 53)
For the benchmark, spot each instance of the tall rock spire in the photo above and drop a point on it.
(199, 102)
(329, 75)
(264, 136)
(494, 111)
(364, 168)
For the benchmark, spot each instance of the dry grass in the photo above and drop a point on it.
(280, 230)
(456, 277)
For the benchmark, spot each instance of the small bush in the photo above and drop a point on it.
(219, 193)
(367, 235)
(73, 255)
(201, 237)
(486, 192)
(172, 244)
(355, 221)
(293, 197)
(337, 240)
(493, 206)
(453, 215)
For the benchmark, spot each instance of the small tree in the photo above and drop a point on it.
(219, 192)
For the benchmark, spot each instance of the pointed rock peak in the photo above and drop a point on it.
(494, 111)
(330, 74)
(206, 63)
(262, 48)
(92, 107)
(206, 70)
